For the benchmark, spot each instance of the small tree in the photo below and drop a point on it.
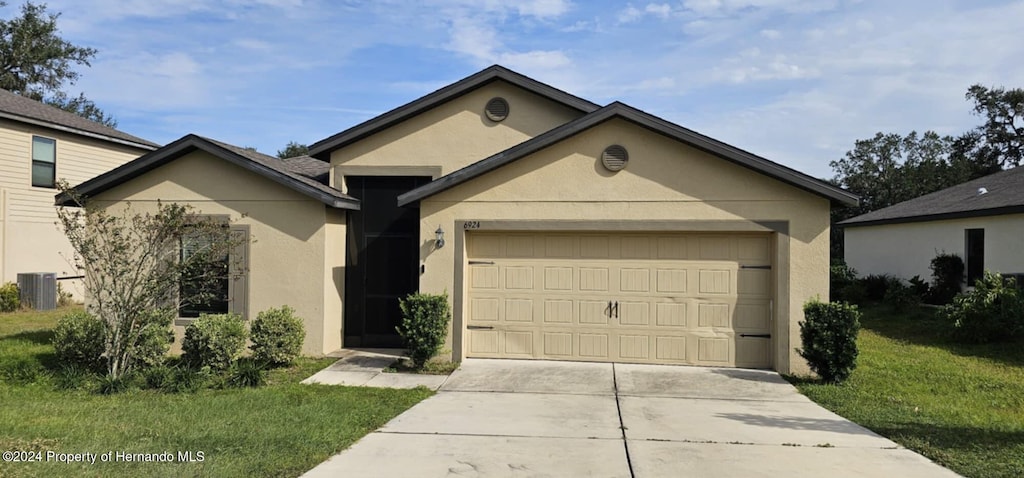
(133, 270)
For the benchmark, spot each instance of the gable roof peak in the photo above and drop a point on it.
(270, 167)
(322, 149)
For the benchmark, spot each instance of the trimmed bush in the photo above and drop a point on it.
(947, 278)
(155, 338)
(992, 312)
(10, 297)
(214, 341)
(277, 336)
(425, 319)
(80, 338)
(828, 335)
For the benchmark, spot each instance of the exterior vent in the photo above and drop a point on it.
(614, 158)
(38, 290)
(496, 109)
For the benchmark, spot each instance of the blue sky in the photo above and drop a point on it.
(794, 81)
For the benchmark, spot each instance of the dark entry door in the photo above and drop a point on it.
(382, 259)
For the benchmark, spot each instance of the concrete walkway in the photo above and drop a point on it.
(539, 418)
(365, 368)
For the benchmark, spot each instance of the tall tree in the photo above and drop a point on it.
(890, 168)
(36, 62)
(1002, 134)
(293, 149)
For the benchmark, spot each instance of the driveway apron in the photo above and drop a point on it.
(566, 419)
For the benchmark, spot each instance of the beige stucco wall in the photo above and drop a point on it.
(906, 250)
(291, 261)
(665, 181)
(450, 136)
(30, 240)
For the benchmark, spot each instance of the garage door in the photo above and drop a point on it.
(701, 299)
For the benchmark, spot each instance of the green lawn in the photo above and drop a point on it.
(282, 429)
(960, 405)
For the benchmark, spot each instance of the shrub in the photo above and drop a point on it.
(246, 373)
(424, 325)
(828, 335)
(920, 288)
(214, 341)
(72, 376)
(876, 285)
(158, 377)
(185, 379)
(277, 336)
(947, 277)
(80, 339)
(155, 337)
(111, 385)
(10, 297)
(854, 293)
(841, 277)
(64, 298)
(900, 296)
(992, 312)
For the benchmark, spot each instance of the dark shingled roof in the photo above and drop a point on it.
(309, 167)
(653, 123)
(26, 110)
(1004, 195)
(288, 174)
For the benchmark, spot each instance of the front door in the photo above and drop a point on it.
(382, 259)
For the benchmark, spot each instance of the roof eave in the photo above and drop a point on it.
(184, 146)
(68, 129)
(996, 211)
(650, 122)
(322, 148)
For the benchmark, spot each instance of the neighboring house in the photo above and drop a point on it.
(40, 145)
(982, 221)
(559, 229)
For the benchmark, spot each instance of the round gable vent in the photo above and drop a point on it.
(496, 109)
(614, 158)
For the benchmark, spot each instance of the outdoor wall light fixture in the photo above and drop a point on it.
(439, 238)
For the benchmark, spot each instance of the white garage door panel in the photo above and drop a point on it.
(648, 298)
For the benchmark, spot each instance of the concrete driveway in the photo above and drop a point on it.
(567, 419)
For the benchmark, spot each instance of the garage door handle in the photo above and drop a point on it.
(479, 327)
(758, 336)
(473, 263)
(756, 267)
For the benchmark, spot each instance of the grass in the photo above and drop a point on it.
(282, 429)
(432, 367)
(960, 405)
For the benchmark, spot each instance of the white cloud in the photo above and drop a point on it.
(543, 8)
(662, 10)
(535, 60)
(771, 34)
(630, 14)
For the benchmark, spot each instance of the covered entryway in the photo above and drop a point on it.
(684, 298)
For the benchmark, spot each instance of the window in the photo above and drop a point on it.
(223, 279)
(975, 245)
(44, 162)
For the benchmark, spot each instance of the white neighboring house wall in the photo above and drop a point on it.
(907, 249)
(30, 239)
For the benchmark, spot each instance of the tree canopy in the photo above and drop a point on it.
(36, 62)
(892, 168)
(293, 149)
